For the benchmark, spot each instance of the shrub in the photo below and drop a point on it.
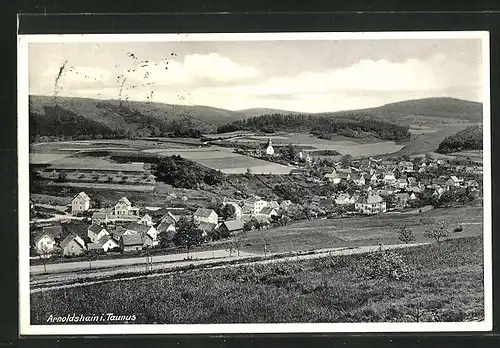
(386, 265)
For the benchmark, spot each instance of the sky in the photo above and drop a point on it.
(307, 76)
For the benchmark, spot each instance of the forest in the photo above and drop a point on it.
(470, 138)
(320, 126)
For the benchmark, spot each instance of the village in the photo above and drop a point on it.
(359, 187)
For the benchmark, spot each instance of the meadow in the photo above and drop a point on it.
(443, 282)
(361, 231)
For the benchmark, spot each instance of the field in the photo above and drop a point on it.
(344, 145)
(359, 231)
(444, 283)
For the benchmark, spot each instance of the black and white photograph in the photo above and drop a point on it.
(250, 183)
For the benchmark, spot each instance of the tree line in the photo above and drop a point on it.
(321, 126)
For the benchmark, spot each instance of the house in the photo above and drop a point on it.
(254, 206)
(146, 220)
(207, 227)
(100, 218)
(389, 178)
(148, 241)
(96, 232)
(343, 199)
(371, 204)
(269, 148)
(231, 226)
(373, 178)
(405, 166)
(95, 248)
(454, 181)
(402, 183)
(169, 218)
(108, 244)
(141, 229)
(358, 179)
(206, 215)
(80, 203)
(165, 226)
(268, 211)
(73, 245)
(413, 196)
(124, 208)
(304, 155)
(285, 204)
(332, 177)
(131, 242)
(119, 231)
(44, 244)
(55, 231)
(273, 204)
(435, 190)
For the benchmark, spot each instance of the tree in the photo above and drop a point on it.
(288, 153)
(346, 161)
(438, 232)
(187, 235)
(406, 235)
(227, 211)
(165, 239)
(44, 254)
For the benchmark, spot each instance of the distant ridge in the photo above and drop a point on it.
(84, 117)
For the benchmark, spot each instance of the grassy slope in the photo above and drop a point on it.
(447, 286)
(428, 142)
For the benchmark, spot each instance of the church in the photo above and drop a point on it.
(269, 147)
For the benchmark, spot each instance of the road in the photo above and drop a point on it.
(48, 282)
(109, 263)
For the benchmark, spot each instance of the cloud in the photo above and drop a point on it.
(194, 69)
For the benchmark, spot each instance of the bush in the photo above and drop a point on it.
(385, 265)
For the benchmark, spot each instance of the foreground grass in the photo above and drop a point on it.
(447, 286)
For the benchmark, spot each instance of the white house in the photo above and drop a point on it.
(206, 215)
(269, 147)
(371, 204)
(96, 232)
(124, 208)
(405, 166)
(358, 179)
(389, 179)
(254, 206)
(402, 183)
(344, 198)
(373, 178)
(44, 244)
(268, 211)
(146, 220)
(80, 203)
(73, 245)
(332, 177)
(108, 243)
(454, 181)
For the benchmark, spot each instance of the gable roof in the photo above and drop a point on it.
(131, 239)
(69, 238)
(82, 195)
(233, 225)
(202, 212)
(267, 210)
(371, 199)
(96, 228)
(53, 231)
(39, 236)
(125, 200)
(169, 217)
(137, 227)
(207, 226)
(164, 225)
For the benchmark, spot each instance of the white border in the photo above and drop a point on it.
(25, 327)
